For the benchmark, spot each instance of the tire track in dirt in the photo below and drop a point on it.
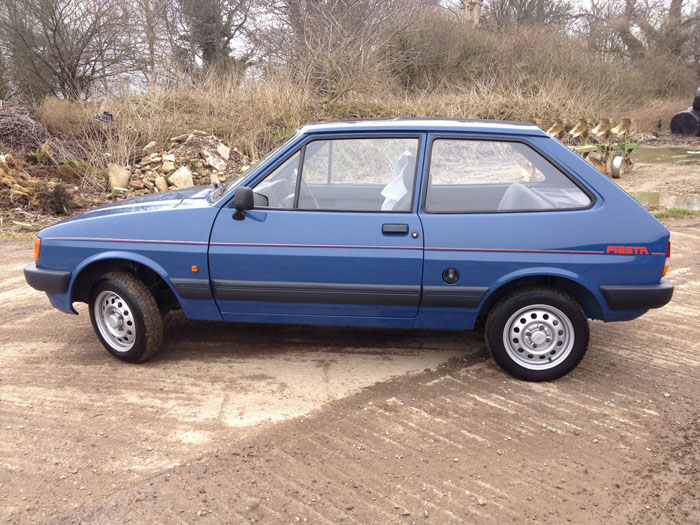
(616, 441)
(76, 424)
(570, 451)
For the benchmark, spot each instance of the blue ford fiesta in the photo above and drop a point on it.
(437, 224)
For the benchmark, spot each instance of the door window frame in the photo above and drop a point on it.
(428, 162)
(301, 149)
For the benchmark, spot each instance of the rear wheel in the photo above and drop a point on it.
(537, 334)
(125, 317)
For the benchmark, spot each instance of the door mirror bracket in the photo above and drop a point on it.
(243, 200)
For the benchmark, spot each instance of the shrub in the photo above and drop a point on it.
(68, 117)
(438, 68)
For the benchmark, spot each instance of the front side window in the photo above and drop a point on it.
(366, 174)
(468, 176)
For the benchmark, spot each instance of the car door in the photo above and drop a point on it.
(334, 233)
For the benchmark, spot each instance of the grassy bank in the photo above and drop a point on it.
(523, 74)
(256, 115)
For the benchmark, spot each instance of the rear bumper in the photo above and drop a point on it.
(638, 297)
(49, 281)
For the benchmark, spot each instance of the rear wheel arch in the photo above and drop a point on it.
(588, 301)
(91, 273)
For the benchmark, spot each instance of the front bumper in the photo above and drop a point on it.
(638, 297)
(49, 281)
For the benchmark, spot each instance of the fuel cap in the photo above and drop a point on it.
(450, 275)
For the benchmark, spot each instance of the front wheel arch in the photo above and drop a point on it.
(92, 272)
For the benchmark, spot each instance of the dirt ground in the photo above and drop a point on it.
(663, 178)
(261, 424)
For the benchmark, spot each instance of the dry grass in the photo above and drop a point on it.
(65, 116)
(253, 115)
(256, 116)
(655, 115)
(527, 74)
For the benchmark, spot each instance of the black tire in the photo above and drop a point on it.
(140, 311)
(553, 339)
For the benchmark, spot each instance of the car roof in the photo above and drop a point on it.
(425, 124)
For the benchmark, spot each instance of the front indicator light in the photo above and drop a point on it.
(37, 248)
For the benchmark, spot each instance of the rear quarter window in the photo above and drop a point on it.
(487, 176)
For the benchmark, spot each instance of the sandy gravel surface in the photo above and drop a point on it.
(266, 424)
(662, 177)
(679, 173)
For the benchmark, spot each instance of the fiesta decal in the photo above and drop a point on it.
(627, 250)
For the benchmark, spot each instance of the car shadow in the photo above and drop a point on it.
(184, 338)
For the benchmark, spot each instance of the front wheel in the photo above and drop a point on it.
(125, 317)
(537, 334)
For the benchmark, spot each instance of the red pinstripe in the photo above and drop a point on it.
(266, 245)
(507, 250)
(271, 245)
(143, 241)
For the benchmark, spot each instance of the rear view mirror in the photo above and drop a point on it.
(243, 200)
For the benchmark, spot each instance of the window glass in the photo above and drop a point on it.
(316, 165)
(493, 176)
(277, 189)
(371, 174)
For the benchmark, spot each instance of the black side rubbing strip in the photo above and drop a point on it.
(326, 293)
(453, 296)
(193, 288)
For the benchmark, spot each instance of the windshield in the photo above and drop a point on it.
(235, 180)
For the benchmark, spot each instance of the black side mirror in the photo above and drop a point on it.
(243, 200)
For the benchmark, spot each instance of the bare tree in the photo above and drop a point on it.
(504, 13)
(339, 45)
(64, 47)
(469, 10)
(4, 80)
(149, 31)
(210, 33)
(636, 29)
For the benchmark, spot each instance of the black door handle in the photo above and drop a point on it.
(394, 228)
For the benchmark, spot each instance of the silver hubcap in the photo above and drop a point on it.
(538, 337)
(115, 321)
